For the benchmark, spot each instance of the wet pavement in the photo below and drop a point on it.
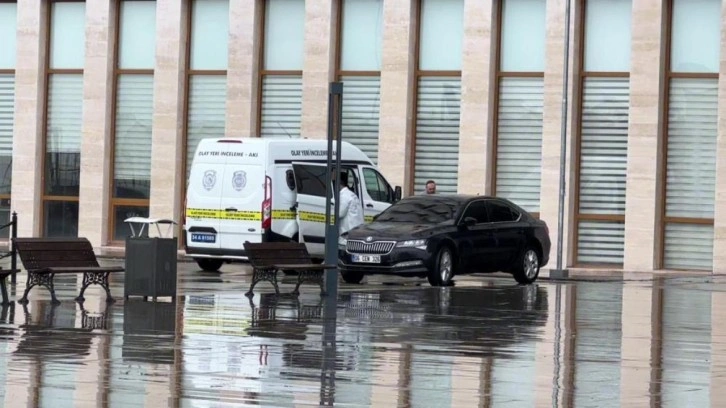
(391, 342)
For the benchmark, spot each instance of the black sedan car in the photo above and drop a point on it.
(440, 236)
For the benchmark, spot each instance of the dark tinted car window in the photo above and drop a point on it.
(500, 212)
(311, 180)
(477, 210)
(420, 211)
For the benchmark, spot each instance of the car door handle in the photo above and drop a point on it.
(230, 209)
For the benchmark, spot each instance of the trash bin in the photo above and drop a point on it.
(150, 262)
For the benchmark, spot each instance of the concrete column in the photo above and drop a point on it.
(245, 35)
(641, 194)
(29, 112)
(395, 126)
(475, 123)
(169, 88)
(719, 217)
(318, 67)
(96, 133)
(635, 369)
(552, 123)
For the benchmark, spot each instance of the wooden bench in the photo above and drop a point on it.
(44, 258)
(268, 258)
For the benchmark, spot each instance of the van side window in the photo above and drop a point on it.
(309, 180)
(378, 188)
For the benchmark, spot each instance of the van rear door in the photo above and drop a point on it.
(243, 193)
(204, 193)
(310, 183)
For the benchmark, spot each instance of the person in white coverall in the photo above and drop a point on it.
(350, 211)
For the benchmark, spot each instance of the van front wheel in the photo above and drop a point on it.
(209, 265)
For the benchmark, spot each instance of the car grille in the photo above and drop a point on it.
(376, 248)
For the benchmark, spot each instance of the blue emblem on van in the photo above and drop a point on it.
(239, 180)
(209, 179)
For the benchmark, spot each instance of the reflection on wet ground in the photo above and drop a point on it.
(391, 342)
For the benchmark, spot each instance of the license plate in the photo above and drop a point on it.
(206, 238)
(367, 258)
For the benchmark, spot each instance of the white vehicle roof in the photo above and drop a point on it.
(284, 149)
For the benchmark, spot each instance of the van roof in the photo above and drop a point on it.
(278, 146)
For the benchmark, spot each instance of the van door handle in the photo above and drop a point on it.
(230, 209)
(369, 205)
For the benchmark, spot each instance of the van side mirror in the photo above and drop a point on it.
(397, 194)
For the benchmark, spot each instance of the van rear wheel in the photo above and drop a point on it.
(209, 265)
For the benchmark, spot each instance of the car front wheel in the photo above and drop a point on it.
(527, 269)
(352, 277)
(209, 265)
(443, 270)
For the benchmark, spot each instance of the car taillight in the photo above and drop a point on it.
(267, 204)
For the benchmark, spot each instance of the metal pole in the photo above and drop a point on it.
(335, 105)
(13, 251)
(563, 142)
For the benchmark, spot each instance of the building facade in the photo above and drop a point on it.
(102, 104)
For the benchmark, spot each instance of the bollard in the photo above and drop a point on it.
(13, 251)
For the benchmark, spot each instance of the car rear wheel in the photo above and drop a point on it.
(209, 265)
(352, 277)
(443, 271)
(526, 270)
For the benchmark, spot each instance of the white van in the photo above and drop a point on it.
(263, 190)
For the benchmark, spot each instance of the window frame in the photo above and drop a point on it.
(7, 198)
(578, 92)
(483, 202)
(115, 202)
(499, 76)
(668, 76)
(48, 72)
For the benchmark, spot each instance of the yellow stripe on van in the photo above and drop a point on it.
(202, 213)
(313, 216)
(223, 215)
(283, 215)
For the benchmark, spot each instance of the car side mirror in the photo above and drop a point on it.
(469, 221)
(397, 194)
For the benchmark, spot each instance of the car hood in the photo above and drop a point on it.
(392, 230)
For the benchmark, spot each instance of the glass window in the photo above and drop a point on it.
(134, 114)
(376, 186)
(500, 212)
(63, 148)
(478, 211)
(441, 35)
(137, 37)
(122, 229)
(61, 219)
(420, 210)
(8, 27)
(310, 180)
(523, 36)
(68, 35)
(284, 35)
(696, 36)
(210, 34)
(607, 35)
(362, 35)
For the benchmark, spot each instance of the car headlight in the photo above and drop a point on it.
(342, 241)
(413, 243)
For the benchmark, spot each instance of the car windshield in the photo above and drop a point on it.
(420, 211)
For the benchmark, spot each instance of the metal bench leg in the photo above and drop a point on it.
(259, 275)
(4, 290)
(95, 278)
(39, 279)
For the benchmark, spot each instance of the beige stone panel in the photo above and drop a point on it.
(718, 349)
(719, 217)
(545, 350)
(635, 369)
(474, 129)
(395, 127)
(318, 67)
(245, 28)
(166, 139)
(29, 106)
(96, 144)
(552, 128)
(643, 129)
